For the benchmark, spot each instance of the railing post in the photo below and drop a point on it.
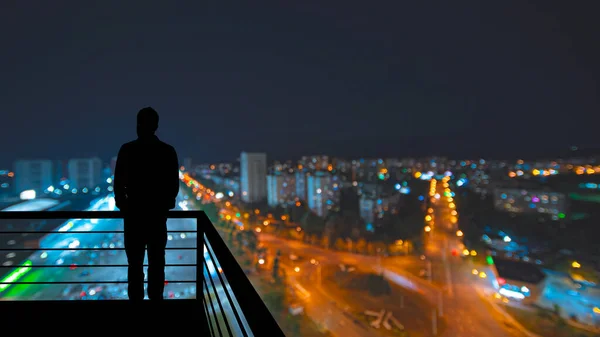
(199, 260)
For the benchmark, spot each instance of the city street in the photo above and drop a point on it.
(87, 266)
(466, 312)
(338, 309)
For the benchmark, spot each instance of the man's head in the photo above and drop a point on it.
(147, 122)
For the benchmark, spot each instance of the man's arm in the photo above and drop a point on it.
(121, 180)
(174, 176)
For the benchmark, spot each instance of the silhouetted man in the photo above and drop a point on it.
(146, 185)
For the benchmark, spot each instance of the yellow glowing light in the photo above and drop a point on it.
(418, 174)
(473, 253)
(258, 229)
(454, 212)
(459, 233)
(536, 172)
(454, 219)
(297, 269)
(465, 252)
(430, 210)
(575, 264)
(428, 218)
(597, 310)
(427, 229)
(266, 222)
(452, 205)
(228, 217)
(482, 275)
(261, 261)
(474, 272)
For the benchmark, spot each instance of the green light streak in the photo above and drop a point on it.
(15, 275)
(489, 260)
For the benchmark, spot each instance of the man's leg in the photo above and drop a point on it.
(135, 248)
(157, 241)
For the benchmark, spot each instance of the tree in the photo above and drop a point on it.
(325, 242)
(251, 241)
(339, 244)
(361, 246)
(350, 245)
(312, 224)
(275, 298)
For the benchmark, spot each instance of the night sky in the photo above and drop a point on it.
(296, 77)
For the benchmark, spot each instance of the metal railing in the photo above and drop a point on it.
(231, 305)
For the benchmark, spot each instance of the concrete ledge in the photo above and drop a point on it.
(104, 317)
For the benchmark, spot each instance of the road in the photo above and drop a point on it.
(466, 312)
(334, 308)
(76, 234)
(451, 290)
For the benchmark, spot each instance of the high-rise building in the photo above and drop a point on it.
(33, 175)
(7, 185)
(322, 196)
(367, 209)
(281, 188)
(85, 172)
(59, 171)
(301, 185)
(253, 176)
(373, 208)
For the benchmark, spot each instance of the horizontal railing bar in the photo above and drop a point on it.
(83, 232)
(92, 265)
(90, 215)
(88, 282)
(83, 249)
